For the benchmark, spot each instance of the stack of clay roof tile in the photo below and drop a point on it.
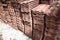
(44, 22)
(18, 15)
(38, 21)
(9, 13)
(2, 13)
(26, 7)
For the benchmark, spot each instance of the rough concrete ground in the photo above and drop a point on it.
(9, 33)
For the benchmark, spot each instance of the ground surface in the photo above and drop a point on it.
(9, 33)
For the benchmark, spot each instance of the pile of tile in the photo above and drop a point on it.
(38, 21)
(10, 14)
(26, 7)
(44, 22)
